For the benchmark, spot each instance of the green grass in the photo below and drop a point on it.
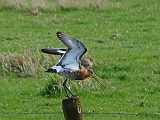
(122, 37)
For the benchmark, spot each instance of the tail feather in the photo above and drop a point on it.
(51, 70)
(54, 51)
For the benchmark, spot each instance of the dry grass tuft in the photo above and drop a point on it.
(53, 87)
(86, 4)
(58, 4)
(25, 65)
(26, 4)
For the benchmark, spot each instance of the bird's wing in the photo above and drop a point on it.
(54, 51)
(75, 51)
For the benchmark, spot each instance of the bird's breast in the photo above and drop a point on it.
(72, 74)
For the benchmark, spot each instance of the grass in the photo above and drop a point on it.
(122, 37)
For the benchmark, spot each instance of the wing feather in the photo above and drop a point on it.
(75, 51)
(54, 51)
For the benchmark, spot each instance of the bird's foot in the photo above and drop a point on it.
(72, 96)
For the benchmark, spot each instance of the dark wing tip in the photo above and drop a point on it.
(51, 70)
(58, 34)
(54, 51)
(43, 50)
(48, 51)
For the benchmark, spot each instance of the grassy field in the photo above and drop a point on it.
(122, 37)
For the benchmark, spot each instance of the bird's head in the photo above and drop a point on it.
(93, 62)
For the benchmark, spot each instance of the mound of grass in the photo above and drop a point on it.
(25, 65)
(52, 89)
(87, 4)
(57, 4)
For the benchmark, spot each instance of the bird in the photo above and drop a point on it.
(69, 65)
(35, 12)
(87, 63)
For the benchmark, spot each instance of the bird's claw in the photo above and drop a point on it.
(72, 96)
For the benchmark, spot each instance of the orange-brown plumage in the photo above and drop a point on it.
(80, 74)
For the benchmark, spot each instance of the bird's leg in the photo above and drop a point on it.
(66, 89)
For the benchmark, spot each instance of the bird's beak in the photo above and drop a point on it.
(97, 79)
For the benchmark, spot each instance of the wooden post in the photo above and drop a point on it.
(72, 108)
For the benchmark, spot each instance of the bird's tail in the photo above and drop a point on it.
(51, 70)
(54, 51)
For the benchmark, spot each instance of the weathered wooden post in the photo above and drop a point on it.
(72, 108)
